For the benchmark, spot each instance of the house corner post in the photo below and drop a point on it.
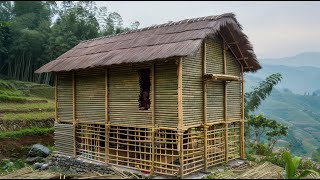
(205, 126)
(180, 116)
(242, 153)
(225, 116)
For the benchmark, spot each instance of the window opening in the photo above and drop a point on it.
(144, 81)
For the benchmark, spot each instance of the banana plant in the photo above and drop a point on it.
(292, 165)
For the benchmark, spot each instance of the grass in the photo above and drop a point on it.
(34, 116)
(26, 132)
(21, 92)
(28, 106)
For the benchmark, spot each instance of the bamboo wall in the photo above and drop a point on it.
(166, 94)
(124, 91)
(90, 96)
(65, 111)
(192, 93)
(215, 90)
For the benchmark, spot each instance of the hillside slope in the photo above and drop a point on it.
(299, 112)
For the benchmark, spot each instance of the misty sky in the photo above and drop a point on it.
(276, 29)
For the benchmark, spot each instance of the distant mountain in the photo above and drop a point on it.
(295, 101)
(303, 59)
(299, 80)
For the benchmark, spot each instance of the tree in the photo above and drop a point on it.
(271, 129)
(254, 98)
(31, 37)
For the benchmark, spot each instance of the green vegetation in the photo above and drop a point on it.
(34, 116)
(261, 126)
(9, 166)
(33, 33)
(292, 165)
(27, 107)
(26, 132)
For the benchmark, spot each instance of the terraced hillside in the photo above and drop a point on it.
(26, 117)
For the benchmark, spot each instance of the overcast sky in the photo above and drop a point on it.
(276, 29)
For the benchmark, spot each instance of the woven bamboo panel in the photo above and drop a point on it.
(64, 110)
(192, 92)
(90, 96)
(215, 145)
(166, 94)
(234, 100)
(124, 91)
(215, 101)
(214, 56)
(64, 139)
(233, 140)
(233, 66)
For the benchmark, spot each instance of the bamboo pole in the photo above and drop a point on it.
(205, 128)
(242, 115)
(225, 102)
(107, 126)
(180, 117)
(74, 112)
(56, 98)
(153, 117)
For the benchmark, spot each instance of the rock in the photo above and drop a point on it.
(39, 150)
(37, 165)
(32, 160)
(45, 167)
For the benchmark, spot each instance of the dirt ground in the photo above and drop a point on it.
(18, 148)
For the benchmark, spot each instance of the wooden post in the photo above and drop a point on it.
(107, 123)
(56, 98)
(242, 115)
(74, 113)
(180, 117)
(180, 150)
(153, 117)
(225, 102)
(205, 127)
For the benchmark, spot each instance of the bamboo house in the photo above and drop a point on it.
(166, 99)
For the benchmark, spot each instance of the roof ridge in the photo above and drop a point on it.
(191, 20)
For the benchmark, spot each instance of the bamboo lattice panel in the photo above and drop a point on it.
(91, 141)
(215, 145)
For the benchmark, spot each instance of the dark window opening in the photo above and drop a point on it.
(144, 81)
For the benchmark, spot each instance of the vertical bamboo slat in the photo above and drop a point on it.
(225, 102)
(74, 112)
(242, 115)
(205, 129)
(180, 120)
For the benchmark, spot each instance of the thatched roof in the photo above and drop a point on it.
(174, 39)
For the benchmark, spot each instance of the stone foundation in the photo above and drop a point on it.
(78, 165)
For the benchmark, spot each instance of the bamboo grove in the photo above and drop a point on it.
(33, 33)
